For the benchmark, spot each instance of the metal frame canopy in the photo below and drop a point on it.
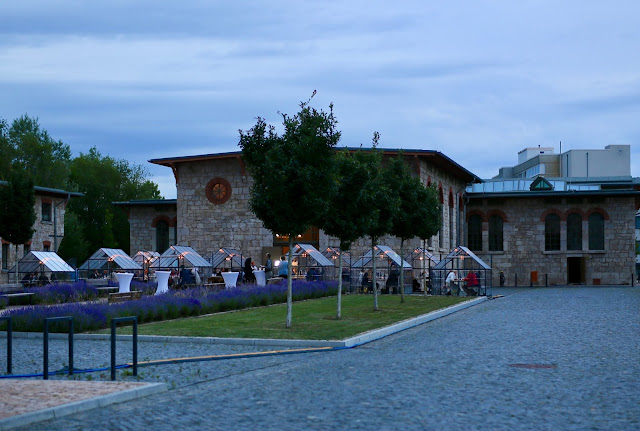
(227, 254)
(145, 257)
(462, 261)
(419, 253)
(171, 257)
(34, 261)
(103, 257)
(461, 253)
(381, 250)
(305, 250)
(333, 253)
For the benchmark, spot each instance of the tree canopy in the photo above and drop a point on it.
(291, 172)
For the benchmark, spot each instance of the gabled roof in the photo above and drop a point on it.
(311, 251)
(49, 260)
(171, 257)
(105, 257)
(235, 257)
(333, 253)
(461, 253)
(385, 251)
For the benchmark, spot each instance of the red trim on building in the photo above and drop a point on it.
(164, 218)
(476, 212)
(46, 243)
(600, 211)
(552, 211)
(46, 201)
(500, 213)
(441, 193)
(574, 211)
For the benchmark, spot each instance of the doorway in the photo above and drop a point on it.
(575, 270)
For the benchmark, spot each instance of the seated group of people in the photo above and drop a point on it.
(33, 278)
(468, 283)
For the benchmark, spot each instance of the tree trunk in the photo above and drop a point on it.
(374, 284)
(424, 261)
(339, 307)
(17, 265)
(401, 287)
(289, 288)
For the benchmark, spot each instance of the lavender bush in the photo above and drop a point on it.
(189, 302)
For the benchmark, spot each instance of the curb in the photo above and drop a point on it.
(80, 406)
(365, 337)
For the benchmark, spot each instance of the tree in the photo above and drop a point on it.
(73, 245)
(33, 150)
(419, 213)
(382, 206)
(104, 180)
(17, 214)
(291, 173)
(354, 175)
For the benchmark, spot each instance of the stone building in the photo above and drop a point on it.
(50, 207)
(153, 224)
(212, 207)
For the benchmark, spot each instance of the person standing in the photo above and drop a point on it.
(283, 269)
(268, 267)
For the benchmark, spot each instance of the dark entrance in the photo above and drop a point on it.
(575, 270)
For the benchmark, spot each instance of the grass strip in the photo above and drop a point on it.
(311, 320)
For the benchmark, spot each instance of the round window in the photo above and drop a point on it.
(218, 191)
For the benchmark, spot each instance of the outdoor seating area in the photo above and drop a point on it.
(461, 273)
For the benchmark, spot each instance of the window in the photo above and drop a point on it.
(574, 232)
(474, 234)
(162, 236)
(46, 247)
(5, 256)
(596, 232)
(46, 211)
(310, 236)
(451, 239)
(552, 232)
(495, 233)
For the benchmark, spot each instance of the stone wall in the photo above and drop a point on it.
(524, 239)
(43, 236)
(142, 219)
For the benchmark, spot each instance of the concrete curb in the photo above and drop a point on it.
(267, 342)
(367, 337)
(80, 406)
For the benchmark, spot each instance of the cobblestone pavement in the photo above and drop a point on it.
(453, 373)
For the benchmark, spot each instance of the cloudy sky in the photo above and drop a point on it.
(476, 80)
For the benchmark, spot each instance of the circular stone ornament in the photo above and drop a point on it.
(218, 191)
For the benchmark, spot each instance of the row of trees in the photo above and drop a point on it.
(27, 150)
(300, 180)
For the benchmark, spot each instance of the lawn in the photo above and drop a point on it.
(311, 320)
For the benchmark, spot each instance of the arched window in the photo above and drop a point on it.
(574, 232)
(162, 236)
(552, 232)
(596, 232)
(474, 233)
(495, 233)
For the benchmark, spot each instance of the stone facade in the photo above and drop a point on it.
(524, 239)
(43, 237)
(143, 221)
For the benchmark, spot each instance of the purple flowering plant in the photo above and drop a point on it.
(95, 315)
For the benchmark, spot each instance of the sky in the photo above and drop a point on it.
(476, 80)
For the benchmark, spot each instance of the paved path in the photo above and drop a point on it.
(453, 373)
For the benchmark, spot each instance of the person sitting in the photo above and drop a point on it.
(43, 280)
(471, 281)
(450, 282)
(248, 272)
(312, 275)
(185, 276)
(393, 280)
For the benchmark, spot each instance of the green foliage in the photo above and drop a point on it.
(17, 215)
(74, 243)
(419, 211)
(290, 171)
(104, 180)
(353, 191)
(25, 146)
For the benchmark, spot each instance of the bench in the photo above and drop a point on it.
(125, 296)
(10, 288)
(104, 291)
(274, 280)
(18, 298)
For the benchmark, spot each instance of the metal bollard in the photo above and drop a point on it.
(45, 368)
(134, 319)
(9, 342)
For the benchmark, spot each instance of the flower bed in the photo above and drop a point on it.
(189, 302)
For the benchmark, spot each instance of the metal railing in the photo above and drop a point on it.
(9, 342)
(45, 368)
(114, 321)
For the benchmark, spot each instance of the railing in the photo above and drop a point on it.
(114, 321)
(45, 368)
(9, 342)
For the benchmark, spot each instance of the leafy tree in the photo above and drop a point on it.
(17, 214)
(382, 206)
(290, 173)
(352, 191)
(74, 244)
(6, 150)
(416, 216)
(31, 149)
(104, 180)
